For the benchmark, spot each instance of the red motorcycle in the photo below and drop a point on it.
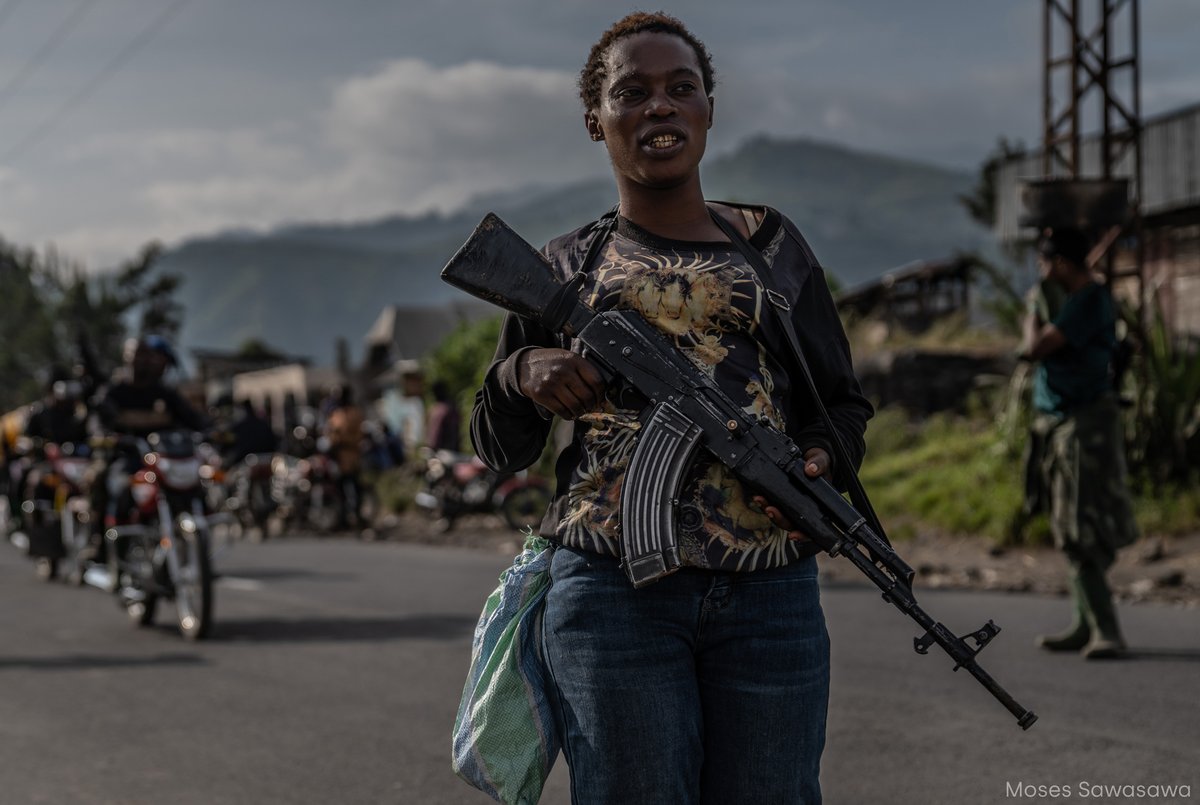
(162, 546)
(456, 484)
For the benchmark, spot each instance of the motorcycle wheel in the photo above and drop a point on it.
(447, 508)
(525, 506)
(323, 518)
(74, 546)
(140, 613)
(194, 587)
(260, 508)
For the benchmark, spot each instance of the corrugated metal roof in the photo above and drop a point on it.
(1170, 170)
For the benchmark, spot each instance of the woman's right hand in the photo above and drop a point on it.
(563, 383)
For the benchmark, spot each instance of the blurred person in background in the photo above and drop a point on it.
(58, 418)
(344, 430)
(1083, 459)
(251, 433)
(445, 422)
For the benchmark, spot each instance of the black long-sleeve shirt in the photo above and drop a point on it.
(138, 410)
(711, 304)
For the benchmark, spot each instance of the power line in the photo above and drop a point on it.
(56, 36)
(137, 43)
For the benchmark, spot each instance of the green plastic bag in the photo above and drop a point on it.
(505, 739)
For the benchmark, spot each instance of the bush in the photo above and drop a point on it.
(960, 476)
(948, 474)
(395, 488)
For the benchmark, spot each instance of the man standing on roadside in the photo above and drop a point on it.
(1091, 515)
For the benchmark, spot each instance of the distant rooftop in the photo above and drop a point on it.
(914, 295)
(412, 332)
(1170, 169)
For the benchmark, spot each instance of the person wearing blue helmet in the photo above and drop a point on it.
(137, 404)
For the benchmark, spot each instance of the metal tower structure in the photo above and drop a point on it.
(1092, 86)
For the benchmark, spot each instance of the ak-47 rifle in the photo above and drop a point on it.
(685, 410)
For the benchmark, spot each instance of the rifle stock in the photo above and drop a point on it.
(499, 266)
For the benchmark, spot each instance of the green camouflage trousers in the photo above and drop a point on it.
(1083, 469)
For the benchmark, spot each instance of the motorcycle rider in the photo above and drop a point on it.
(137, 404)
(445, 421)
(58, 418)
(251, 433)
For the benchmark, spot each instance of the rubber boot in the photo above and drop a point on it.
(1106, 641)
(1077, 636)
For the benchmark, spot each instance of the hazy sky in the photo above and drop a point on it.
(126, 120)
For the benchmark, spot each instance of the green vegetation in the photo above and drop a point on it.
(26, 327)
(1164, 429)
(52, 315)
(952, 333)
(463, 356)
(395, 488)
(947, 474)
(255, 349)
(964, 476)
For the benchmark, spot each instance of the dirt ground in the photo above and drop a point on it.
(1161, 569)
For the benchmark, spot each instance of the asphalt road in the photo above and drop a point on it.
(335, 668)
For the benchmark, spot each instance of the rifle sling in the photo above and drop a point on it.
(559, 310)
(840, 456)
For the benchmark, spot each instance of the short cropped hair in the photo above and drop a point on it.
(592, 76)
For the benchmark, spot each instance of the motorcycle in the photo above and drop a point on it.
(162, 548)
(252, 499)
(304, 492)
(55, 508)
(455, 484)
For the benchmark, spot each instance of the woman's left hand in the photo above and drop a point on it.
(816, 464)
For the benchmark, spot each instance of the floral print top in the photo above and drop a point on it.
(707, 298)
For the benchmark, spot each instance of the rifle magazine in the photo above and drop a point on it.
(650, 494)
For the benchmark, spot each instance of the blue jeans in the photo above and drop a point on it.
(704, 687)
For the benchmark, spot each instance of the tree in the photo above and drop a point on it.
(463, 356)
(254, 349)
(1005, 302)
(153, 293)
(981, 201)
(52, 314)
(28, 348)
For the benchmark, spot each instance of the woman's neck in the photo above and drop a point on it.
(676, 212)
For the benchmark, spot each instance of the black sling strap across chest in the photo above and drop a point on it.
(779, 304)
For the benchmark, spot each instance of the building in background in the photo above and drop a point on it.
(402, 333)
(215, 369)
(1170, 146)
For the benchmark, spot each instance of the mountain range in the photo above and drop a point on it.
(300, 287)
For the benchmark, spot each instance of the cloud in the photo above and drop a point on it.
(406, 137)
(181, 151)
(414, 136)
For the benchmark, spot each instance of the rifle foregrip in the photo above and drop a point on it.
(650, 494)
